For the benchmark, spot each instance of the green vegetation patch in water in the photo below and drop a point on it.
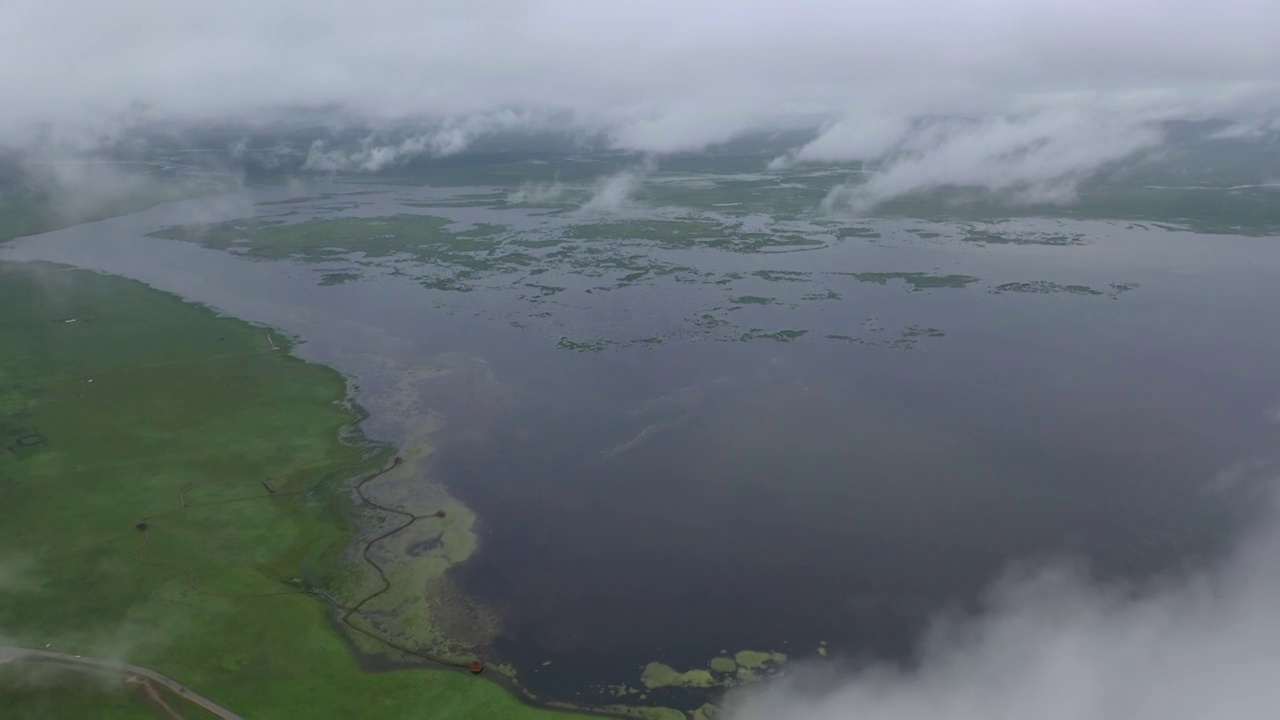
(658, 675)
(338, 278)
(724, 665)
(752, 300)
(916, 280)
(590, 346)
(1044, 287)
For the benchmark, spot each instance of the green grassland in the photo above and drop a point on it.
(121, 405)
(28, 208)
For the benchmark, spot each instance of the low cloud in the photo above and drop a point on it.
(378, 151)
(857, 137)
(617, 192)
(1037, 157)
(1054, 644)
(538, 194)
(659, 76)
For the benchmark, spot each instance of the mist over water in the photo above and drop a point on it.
(1050, 642)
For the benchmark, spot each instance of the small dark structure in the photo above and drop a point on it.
(142, 527)
(397, 461)
(439, 513)
(476, 667)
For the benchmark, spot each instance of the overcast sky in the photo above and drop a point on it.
(662, 73)
(1062, 87)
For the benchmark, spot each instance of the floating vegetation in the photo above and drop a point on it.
(583, 346)
(907, 339)
(443, 255)
(707, 321)
(1044, 287)
(464, 200)
(545, 290)
(745, 666)
(987, 237)
(781, 275)
(659, 675)
(705, 712)
(777, 335)
(338, 278)
(691, 233)
(828, 295)
(724, 665)
(916, 280)
(857, 232)
(926, 234)
(757, 659)
(917, 331)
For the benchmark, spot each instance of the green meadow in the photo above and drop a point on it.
(176, 495)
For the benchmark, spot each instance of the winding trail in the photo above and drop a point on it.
(84, 664)
(348, 611)
(410, 519)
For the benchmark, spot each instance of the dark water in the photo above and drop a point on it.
(823, 494)
(789, 494)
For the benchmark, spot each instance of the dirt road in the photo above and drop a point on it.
(77, 662)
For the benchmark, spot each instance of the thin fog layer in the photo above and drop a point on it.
(1022, 98)
(660, 75)
(1054, 646)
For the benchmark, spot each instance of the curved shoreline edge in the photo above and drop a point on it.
(90, 460)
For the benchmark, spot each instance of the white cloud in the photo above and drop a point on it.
(449, 137)
(617, 192)
(538, 193)
(1040, 157)
(1053, 645)
(858, 136)
(659, 75)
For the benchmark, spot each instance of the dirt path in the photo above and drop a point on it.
(76, 662)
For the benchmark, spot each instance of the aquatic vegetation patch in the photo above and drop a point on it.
(828, 295)
(339, 278)
(658, 675)
(744, 666)
(776, 335)
(907, 338)
(724, 665)
(989, 237)
(758, 659)
(692, 233)
(588, 346)
(857, 232)
(916, 280)
(1044, 287)
(782, 275)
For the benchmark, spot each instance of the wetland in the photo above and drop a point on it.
(631, 459)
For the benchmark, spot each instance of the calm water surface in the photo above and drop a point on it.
(670, 501)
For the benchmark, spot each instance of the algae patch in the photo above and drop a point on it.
(723, 672)
(659, 675)
(916, 280)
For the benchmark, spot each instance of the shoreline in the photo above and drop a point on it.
(291, 494)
